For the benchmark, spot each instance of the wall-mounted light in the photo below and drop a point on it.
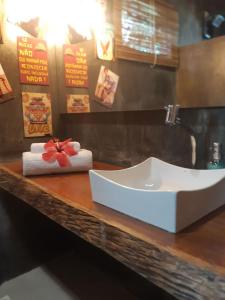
(54, 19)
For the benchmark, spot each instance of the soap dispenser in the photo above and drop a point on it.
(215, 157)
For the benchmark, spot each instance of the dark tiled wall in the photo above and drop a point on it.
(127, 138)
(208, 126)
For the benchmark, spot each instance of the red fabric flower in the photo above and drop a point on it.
(60, 151)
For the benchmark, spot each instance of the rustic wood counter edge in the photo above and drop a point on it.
(181, 274)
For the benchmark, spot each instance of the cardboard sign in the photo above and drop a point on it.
(106, 86)
(5, 88)
(33, 61)
(75, 64)
(78, 103)
(1, 22)
(104, 44)
(37, 114)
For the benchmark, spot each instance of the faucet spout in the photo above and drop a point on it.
(171, 115)
(172, 119)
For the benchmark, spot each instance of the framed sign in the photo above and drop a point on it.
(104, 44)
(5, 87)
(78, 103)
(75, 66)
(37, 114)
(1, 22)
(106, 86)
(33, 61)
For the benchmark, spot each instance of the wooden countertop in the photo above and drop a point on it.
(188, 265)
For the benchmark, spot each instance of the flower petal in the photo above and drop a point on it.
(67, 141)
(69, 150)
(63, 160)
(49, 156)
(50, 146)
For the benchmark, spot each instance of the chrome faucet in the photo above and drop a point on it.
(172, 119)
(171, 115)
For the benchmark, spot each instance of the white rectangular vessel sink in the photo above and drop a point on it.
(159, 193)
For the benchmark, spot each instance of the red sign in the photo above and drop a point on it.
(33, 61)
(76, 69)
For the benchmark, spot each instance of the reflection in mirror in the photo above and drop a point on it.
(200, 76)
(214, 25)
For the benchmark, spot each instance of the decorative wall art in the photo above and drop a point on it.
(37, 114)
(1, 22)
(106, 86)
(75, 65)
(5, 88)
(104, 44)
(78, 103)
(33, 61)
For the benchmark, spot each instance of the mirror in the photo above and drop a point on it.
(200, 76)
(197, 18)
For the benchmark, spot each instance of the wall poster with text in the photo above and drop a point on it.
(5, 87)
(1, 22)
(78, 104)
(75, 66)
(33, 61)
(37, 114)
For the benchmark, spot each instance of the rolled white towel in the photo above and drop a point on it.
(33, 164)
(39, 147)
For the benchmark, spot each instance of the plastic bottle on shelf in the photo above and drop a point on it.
(215, 157)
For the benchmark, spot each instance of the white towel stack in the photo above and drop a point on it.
(33, 164)
(39, 147)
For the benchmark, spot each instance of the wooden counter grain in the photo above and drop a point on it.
(188, 265)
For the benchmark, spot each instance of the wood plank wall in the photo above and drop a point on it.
(163, 20)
